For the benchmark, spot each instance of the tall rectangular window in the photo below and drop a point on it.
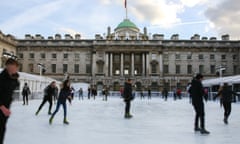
(212, 56)
(65, 56)
(31, 68)
(88, 68)
(65, 68)
(178, 69)
(200, 56)
(165, 69)
(189, 69)
(178, 56)
(54, 56)
(76, 68)
(234, 57)
(235, 69)
(31, 55)
(223, 57)
(42, 55)
(201, 68)
(53, 67)
(212, 69)
(20, 55)
(189, 56)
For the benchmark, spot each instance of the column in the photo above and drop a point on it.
(161, 63)
(143, 64)
(93, 64)
(147, 64)
(121, 67)
(106, 65)
(111, 62)
(132, 64)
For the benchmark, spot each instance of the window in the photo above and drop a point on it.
(200, 56)
(178, 70)
(76, 68)
(42, 55)
(165, 56)
(212, 56)
(234, 57)
(77, 56)
(178, 57)
(154, 68)
(212, 69)
(54, 56)
(53, 66)
(20, 55)
(30, 67)
(88, 68)
(65, 68)
(165, 69)
(31, 55)
(189, 69)
(201, 68)
(223, 57)
(189, 56)
(65, 56)
(235, 69)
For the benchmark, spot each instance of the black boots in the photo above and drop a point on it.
(128, 116)
(201, 130)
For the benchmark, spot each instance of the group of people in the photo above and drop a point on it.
(10, 78)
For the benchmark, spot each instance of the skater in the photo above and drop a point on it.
(89, 92)
(72, 92)
(225, 95)
(8, 83)
(48, 94)
(141, 94)
(149, 93)
(179, 93)
(128, 97)
(55, 97)
(65, 93)
(197, 94)
(80, 93)
(25, 92)
(165, 93)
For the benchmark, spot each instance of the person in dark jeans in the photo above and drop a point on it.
(49, 92)
(128, 97)
(197, 94)
(8, 83)
(225, 95)
(65, 93)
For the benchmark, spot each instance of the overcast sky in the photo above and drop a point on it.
(211, 18)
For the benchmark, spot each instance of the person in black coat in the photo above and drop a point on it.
(197, 94)
(25, 92)
(49, 92)
(128, 97)
(65, 93)
(225, 95)
(8, 83)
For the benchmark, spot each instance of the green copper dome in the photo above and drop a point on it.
(126, 23)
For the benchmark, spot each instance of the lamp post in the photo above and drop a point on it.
(42, 68)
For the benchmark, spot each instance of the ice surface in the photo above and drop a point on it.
(155, 121)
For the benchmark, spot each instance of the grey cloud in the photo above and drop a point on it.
(226, 17)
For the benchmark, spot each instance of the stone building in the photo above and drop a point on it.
(7, 47)
(151, 61)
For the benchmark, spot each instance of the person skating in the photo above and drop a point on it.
(65, 93)
(225, 95)
(128, 97)
(80, 93)
(49, 92)
(165, 93)
(25, 92)
(197, 95)
(8, 83)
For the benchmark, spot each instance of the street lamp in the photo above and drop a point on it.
(42, 68)
(9, 55)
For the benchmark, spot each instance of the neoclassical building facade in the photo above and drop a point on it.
(126, 52)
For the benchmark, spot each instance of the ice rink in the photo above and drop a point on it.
(155, 121)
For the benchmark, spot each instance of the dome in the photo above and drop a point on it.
(126, 23)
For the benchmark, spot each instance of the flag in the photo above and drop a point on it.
(125, 3)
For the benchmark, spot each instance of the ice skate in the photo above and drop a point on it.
(50, 120)
(204, 131)
(128, 116)
(65, 121)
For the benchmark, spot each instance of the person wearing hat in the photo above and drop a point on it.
(197, 94)
(8, 83)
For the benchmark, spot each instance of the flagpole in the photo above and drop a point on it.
(126, 9)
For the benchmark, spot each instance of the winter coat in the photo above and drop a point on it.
(127, 93)
(226, 95)
(64, 94)
(197, 92)
(49, 92)
(25, 90)
(7, 86)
